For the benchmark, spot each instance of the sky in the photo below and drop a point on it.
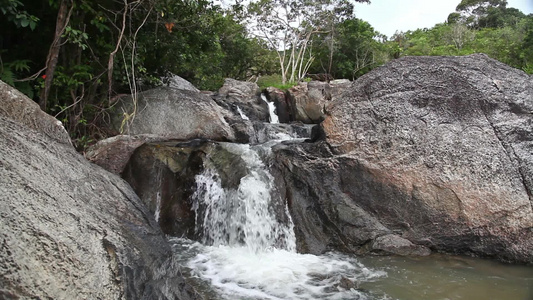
(387, 16)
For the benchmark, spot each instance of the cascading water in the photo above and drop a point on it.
(157, 213)
(271, 109)
(241, 113)
(249, 252)
(241, 217)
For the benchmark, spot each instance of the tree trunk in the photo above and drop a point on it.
(63, 16)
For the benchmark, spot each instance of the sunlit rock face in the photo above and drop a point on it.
(438, 150)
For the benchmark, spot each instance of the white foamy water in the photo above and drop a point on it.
(246, 253)
(238, 273)
(271, 109)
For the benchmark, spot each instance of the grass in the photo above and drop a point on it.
(274, 81)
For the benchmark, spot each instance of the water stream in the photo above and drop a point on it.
(247, 251)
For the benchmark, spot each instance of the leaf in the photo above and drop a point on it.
(20, 65)
(24, 22)
(33, 25)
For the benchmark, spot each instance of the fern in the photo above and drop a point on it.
(7, 76)
(19, 65)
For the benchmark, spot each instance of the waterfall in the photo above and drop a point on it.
(157, 213)
(248, 244)
(241, 113)
(271, 109)
(241, 217)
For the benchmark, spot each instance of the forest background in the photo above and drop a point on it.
(76, 57)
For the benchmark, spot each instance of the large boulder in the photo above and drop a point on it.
(326, 217)
(163, 175)
(171, 113)
(176, 82)
(309, 99)
(71, 230)
(237, 95)
(16, 106)
(438, 150)
(281, 101)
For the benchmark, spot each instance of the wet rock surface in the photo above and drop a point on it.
(163, 175)
(437, 150)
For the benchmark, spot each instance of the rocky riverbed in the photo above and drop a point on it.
(422, 155)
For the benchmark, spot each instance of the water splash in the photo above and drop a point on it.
(235, 273)
(248, 253)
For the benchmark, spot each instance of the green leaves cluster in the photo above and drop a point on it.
(150, 39)
(12, 10)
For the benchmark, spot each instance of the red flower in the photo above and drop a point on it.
(43, 77)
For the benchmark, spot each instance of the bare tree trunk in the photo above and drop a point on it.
(331, 50)
(62, 20)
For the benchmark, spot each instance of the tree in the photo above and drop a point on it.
(459, 34)
(356, 50)
(498, 17)
(472, 11)
(288, 26)
(63, 17)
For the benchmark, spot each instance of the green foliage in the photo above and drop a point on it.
(204, 44)
(505, 34)
(349, 50)
(76, 37)
(11, 70)
(21, 18)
